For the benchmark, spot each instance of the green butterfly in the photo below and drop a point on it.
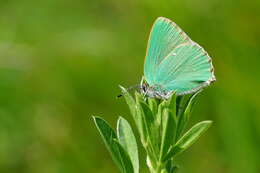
(174, 63)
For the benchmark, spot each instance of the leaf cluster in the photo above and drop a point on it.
(160, 124)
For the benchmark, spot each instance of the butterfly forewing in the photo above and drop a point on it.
(164, 37)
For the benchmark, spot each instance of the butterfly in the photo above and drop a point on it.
(174, 63)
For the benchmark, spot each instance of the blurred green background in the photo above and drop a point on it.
(61, 61)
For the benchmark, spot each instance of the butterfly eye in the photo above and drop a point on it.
(144, 88)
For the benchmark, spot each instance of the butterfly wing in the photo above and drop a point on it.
(186, 69)
(174, 61)
(164, 37)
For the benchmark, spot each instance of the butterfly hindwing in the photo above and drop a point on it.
(186, 69)
(164, 37)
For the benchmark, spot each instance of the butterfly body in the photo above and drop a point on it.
(174, 63)
(155, 91)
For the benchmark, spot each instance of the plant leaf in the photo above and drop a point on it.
(171, 102)
(151, 137)
(124, 156)
(182, 102)
(119, 156)
(134, 111)
(129, 100)
(185, 106)
(147, 117)
(169, 125)
(151, 132)
(127, 140)
(170, 167)
(153, 105)
(188, 138)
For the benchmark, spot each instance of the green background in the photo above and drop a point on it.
(61, 61)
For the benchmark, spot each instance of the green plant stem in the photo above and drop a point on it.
(158, 169)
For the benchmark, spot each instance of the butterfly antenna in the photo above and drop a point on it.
(129, 89)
